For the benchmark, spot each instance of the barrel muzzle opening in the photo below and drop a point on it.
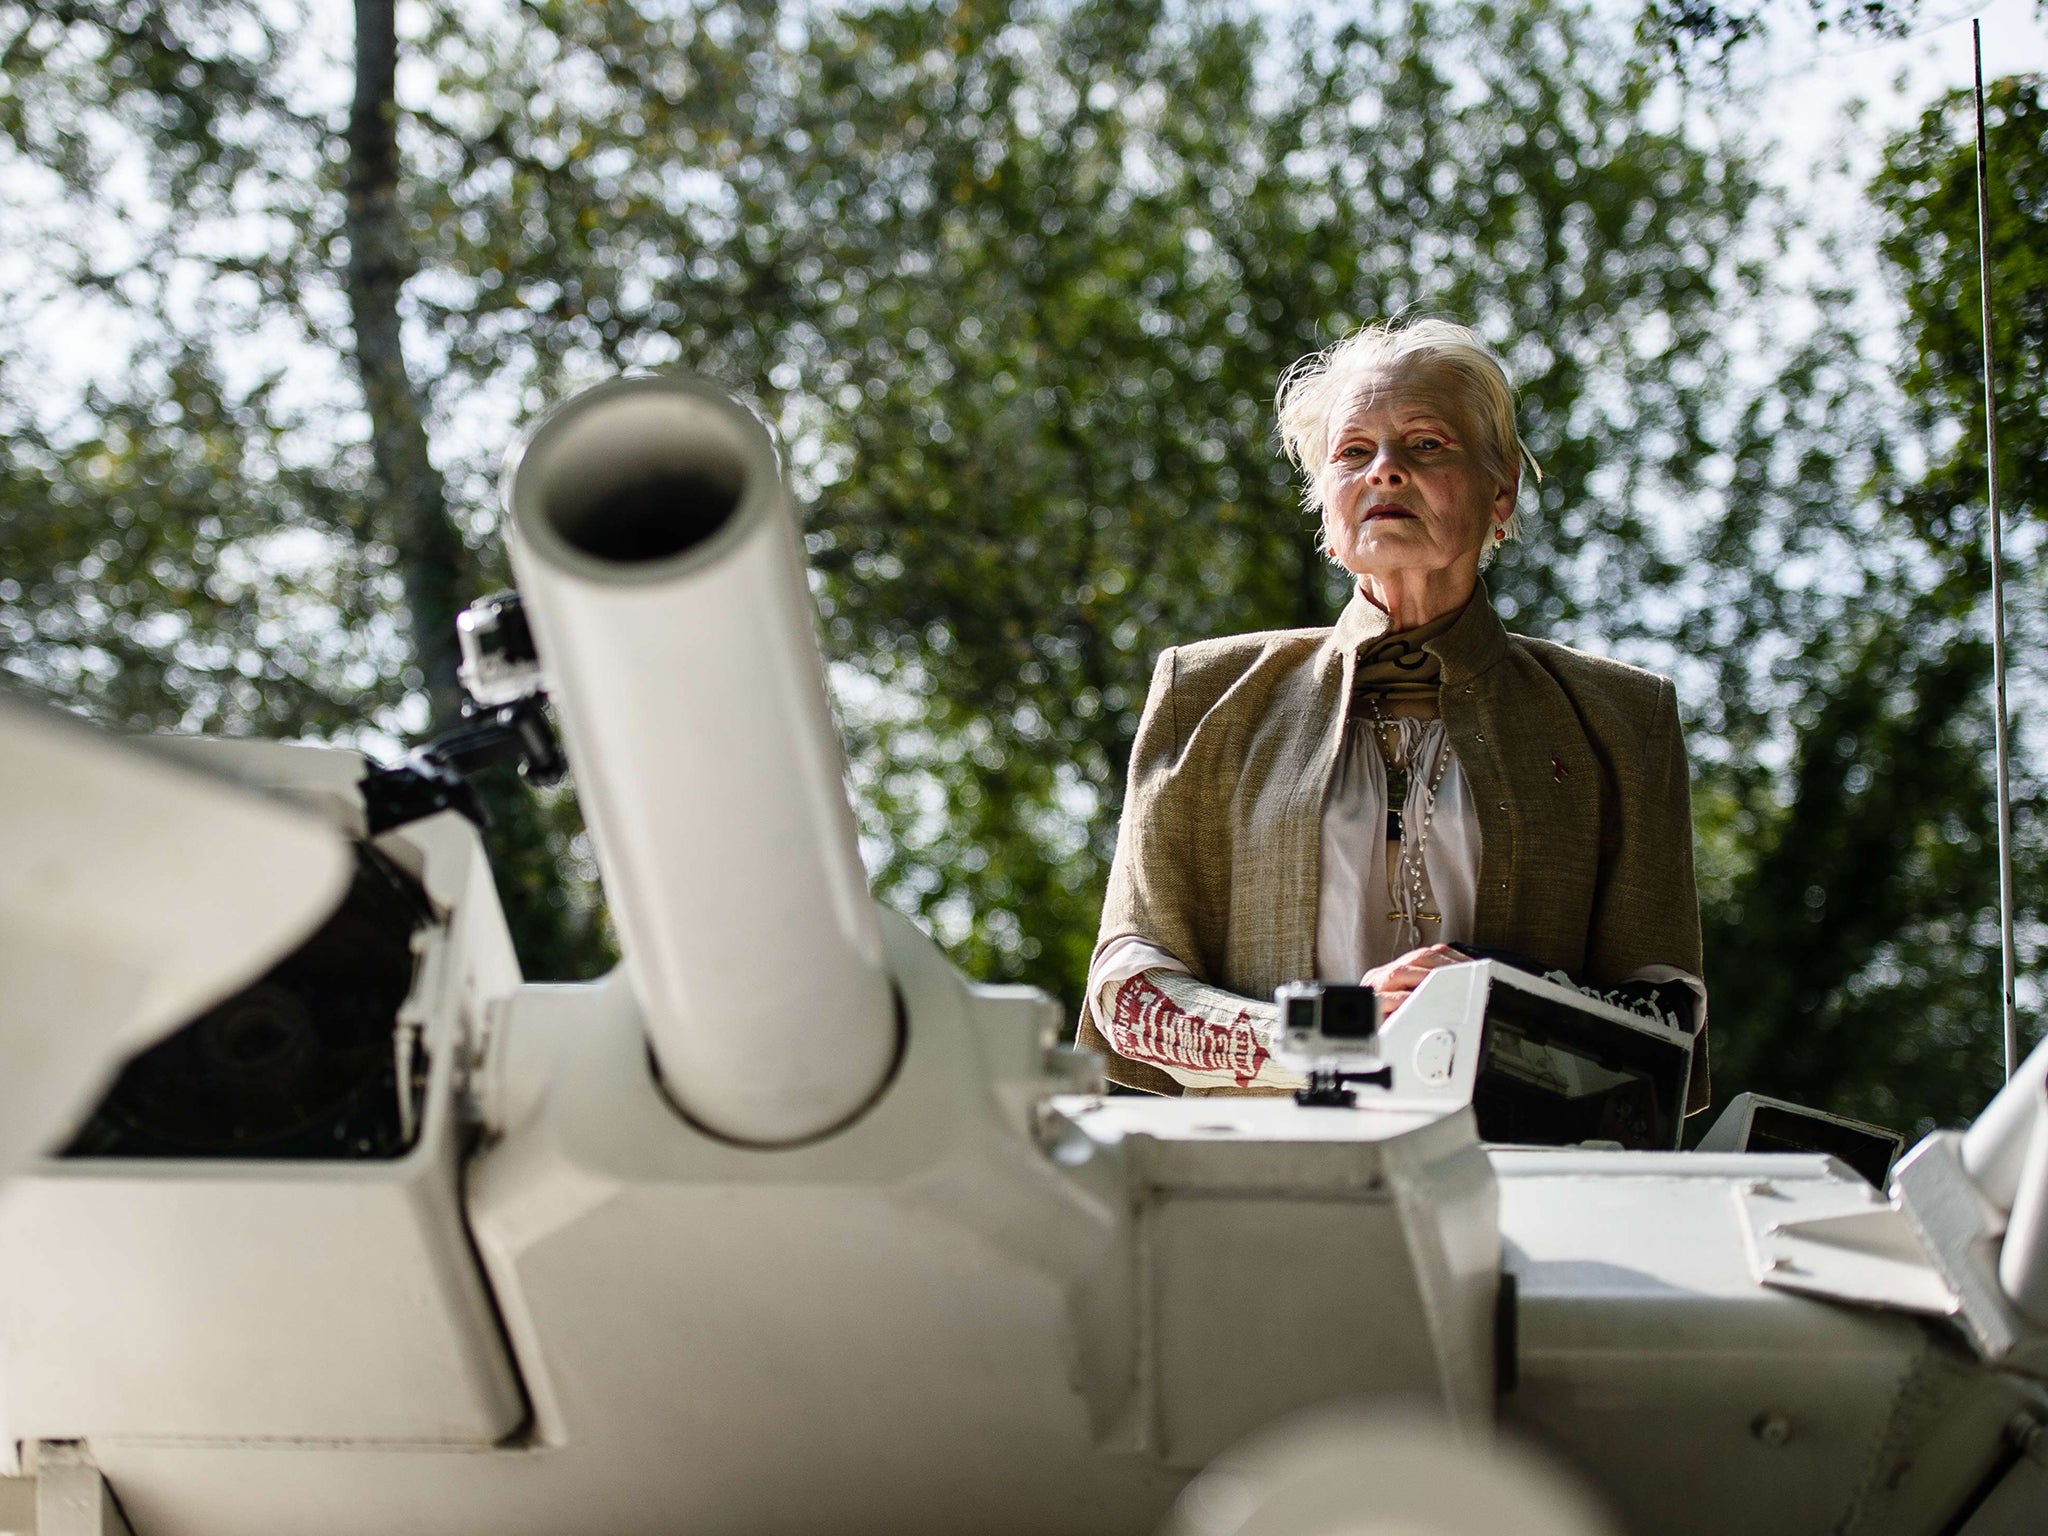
(640, 474)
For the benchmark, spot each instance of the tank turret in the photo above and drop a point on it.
(789, 1226)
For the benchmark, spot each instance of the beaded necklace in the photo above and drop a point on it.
(1407, 878)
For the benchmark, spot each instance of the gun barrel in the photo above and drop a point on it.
(653, 543)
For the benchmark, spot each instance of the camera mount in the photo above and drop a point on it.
(504, 720)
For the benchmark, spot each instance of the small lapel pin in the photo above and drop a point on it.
(1557, 772)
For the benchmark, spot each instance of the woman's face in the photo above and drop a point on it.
(1402, 488)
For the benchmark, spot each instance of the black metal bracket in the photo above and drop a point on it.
(1330, 1087)
(434, 777)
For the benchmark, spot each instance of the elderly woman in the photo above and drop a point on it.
(1348, 803)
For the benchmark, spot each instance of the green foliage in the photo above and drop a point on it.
(1852, 905)
(1014, 281)
(1710, 30)
(197, 546)
(1927, 192)
(1020, 281)
(1850, 960)
(172, 569)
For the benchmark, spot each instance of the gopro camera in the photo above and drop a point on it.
(1328, 1019)
(499, 664)
(1330, 1031)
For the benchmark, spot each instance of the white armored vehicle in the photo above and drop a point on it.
(319, 1220)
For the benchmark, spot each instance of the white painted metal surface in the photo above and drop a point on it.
(275, 1301)
(63, 1494)
(2017, 1505)
(921, 1323)
(676, 633)
(1381, 1265)
(1839, 1240)
(1960, 1231)
(985, 1301)
(2023, 1252)
(135, 892)
(1696, 1400)
(1350, 1472)
(1994, 1148)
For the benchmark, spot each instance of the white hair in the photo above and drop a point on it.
(1479, 387)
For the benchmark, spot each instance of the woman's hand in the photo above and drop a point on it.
(1397, 978)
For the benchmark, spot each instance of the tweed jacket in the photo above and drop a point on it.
(1576, 765)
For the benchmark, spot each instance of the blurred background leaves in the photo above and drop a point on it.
(1014, 283)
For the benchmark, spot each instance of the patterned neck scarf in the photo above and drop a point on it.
(1395, 669)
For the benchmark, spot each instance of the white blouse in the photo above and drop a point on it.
(1357, 926)
(1359, 923)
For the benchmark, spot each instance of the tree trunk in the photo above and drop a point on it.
(431, 556)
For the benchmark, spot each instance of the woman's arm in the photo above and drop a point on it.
(1142, 921)
(1200, 1036)
(1163, 913)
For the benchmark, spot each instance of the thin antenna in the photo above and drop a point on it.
(2000, 746)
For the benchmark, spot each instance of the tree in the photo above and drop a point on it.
(1712, 30)
(1856, 951)
(1033, 273)
(432, 560)
(1927, 194)
(1014, 283)
(199, 549)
